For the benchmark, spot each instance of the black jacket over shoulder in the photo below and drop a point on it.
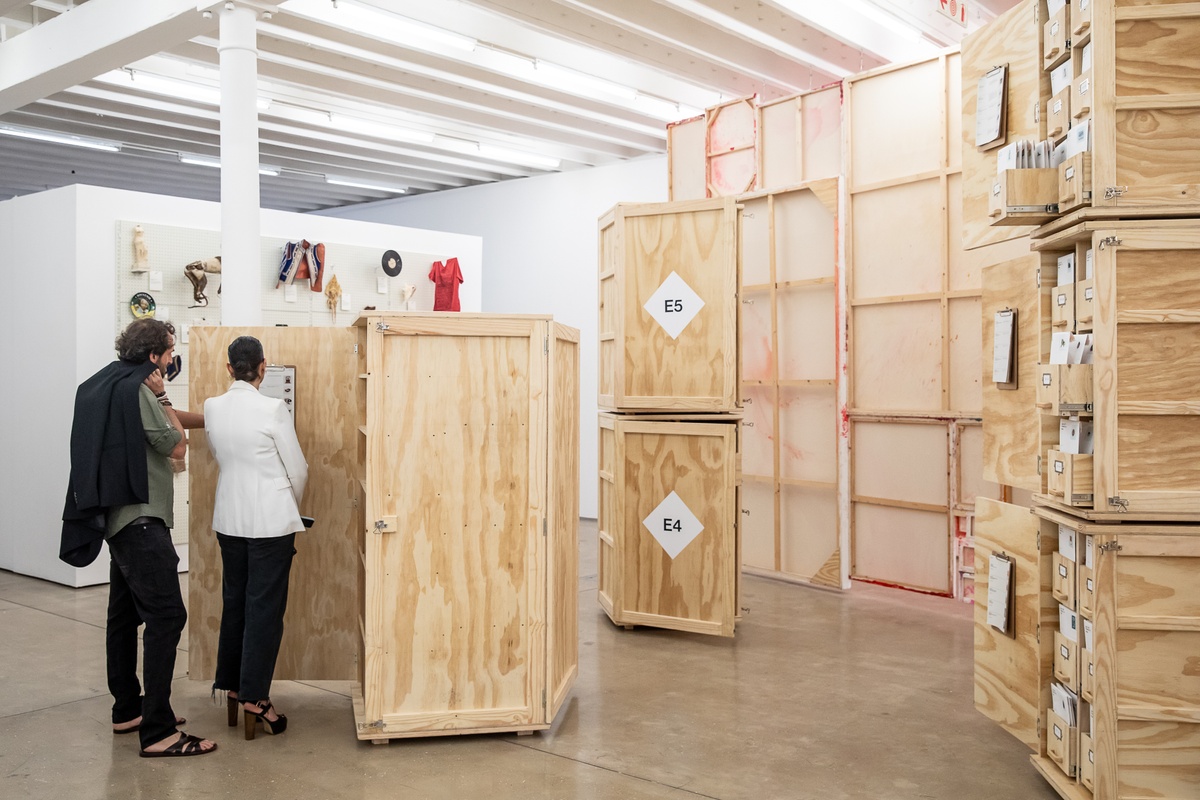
(108, 457)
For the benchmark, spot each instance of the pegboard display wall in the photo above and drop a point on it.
(169, 248)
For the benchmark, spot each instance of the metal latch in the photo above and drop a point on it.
(381, 327)
(1109, 547)
(1114, 191)
(1109, 241)
(1119, 502)
(366, 726)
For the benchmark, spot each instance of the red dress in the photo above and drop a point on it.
(446, 278)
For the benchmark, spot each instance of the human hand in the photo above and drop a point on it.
(154, 381)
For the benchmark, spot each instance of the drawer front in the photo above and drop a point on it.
(1061, 741)
(1063, 580)
(1066, 661)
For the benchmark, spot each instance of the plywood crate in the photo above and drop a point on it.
(1143, 309)
(668, 316)
(1069, 477)
(1138, 96)
(469, 551)
(670, 552)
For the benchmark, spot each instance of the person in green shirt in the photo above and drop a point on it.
(143, 578)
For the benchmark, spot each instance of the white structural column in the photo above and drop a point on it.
(241, 293)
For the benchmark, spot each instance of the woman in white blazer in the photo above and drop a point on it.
(256, 517)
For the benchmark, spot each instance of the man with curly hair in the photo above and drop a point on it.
(124, 436)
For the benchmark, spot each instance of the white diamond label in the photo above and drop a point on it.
(673, 305)
(673, 525)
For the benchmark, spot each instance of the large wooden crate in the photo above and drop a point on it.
(442, 572)
(1133, 584)
(1143, 309)
(677, 476)
(1138, 96)
(469, 575)
(679, 261)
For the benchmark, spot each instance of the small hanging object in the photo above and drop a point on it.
(302, 261)
(333, 293)
(406, 295)
(197, 272)
(142, 305)
(392, 263)
(141, 256)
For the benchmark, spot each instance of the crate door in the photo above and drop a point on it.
(1147, 371)
(456, 588)
(678, 540)
(1146, 641)
(1012, 672)
(562, 555)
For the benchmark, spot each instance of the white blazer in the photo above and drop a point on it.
(263, 471)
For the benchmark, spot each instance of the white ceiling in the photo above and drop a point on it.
(420, 94)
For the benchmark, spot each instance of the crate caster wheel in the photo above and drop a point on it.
(524, 733)
(380, 741)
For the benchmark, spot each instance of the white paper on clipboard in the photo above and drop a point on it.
(1002, 347)
(280, 382)
(989, 107)
(999, 592)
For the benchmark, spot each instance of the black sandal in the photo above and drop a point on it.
(273, 727)
(185, 745)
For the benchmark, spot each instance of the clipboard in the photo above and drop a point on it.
(1004, 349)
(1001, 593)
(991, 109)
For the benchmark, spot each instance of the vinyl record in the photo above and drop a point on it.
(392, 263)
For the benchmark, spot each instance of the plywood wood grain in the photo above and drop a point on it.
(1158, 586)
(1011, 39)
(1158, 759)
(966, 355)
(321, 624)
(563, 522)
(1012, 673)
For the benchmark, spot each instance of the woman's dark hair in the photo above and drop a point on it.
(245, 354)
(144, 338)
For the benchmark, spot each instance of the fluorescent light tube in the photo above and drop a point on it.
(493, 153)
(380, 129)
(579, 83)
(215, 163)
(182, 90)
(60, 138)
(364, 184)
(400, 30)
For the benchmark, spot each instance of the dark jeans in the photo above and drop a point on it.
(144, 588)
(254, 591)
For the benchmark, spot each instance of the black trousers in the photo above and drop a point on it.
(144, 588)
(254, 591)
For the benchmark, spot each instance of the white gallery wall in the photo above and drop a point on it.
(60, 266)
(540, 245)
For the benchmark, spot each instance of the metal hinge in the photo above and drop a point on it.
(543, 699)
(545, 526)
(1037, 276)
(1109, 547)
(546, 346)
(1114, 191)
(1039, 465)
(381, 327)
(366, 726)
(747, 302)
(1109, 241)
(380, 525)
(1119, 502)
(748, 424)
(356, 348)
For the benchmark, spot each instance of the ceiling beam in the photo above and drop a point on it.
(90, 39)
(9, 6)
(846, 23)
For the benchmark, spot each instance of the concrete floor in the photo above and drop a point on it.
(821, 695)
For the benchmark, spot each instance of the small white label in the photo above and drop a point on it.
(156, 283)
(1091, 757)
(1062, 570)
(1069, 173)
(673, 525)
(1083, 86)
(1054, 29)
(1087, 293)
(1090, 586)
(289, 293)
(995, 189)
(1046, 379)
(1062, 299)
(1058, 467)
(1091, 668)
(381, 285)
(673, 305)
(1083, 4)
(345, 302)
(1062, 649)
(1058, 106)
(1057, 732)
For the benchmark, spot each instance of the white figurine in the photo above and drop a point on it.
(141, 256)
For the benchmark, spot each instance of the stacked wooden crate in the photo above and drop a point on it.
(669, 424)
(1106, 603)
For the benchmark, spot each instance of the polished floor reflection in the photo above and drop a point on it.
(821, 695)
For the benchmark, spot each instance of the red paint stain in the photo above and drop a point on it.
(903, 588)
(845, 432)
